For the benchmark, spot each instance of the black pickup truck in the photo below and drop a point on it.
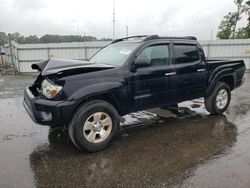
(130, 74)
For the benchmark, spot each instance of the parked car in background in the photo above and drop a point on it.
(131, 74)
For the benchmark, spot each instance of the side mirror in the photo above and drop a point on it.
(142, 62)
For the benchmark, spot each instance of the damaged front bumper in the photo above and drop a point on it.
(47, 112)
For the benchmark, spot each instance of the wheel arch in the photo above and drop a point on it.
(107, 97)
(112, 92)
(228, 80)
(227, 76)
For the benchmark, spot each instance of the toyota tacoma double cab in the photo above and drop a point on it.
(128, 75)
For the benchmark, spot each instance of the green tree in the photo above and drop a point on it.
(50, 39)
(244, 32)
(15, 36)
(226, 28)
(3, 38)
(240, 10)
(247, 11)
(32, 39)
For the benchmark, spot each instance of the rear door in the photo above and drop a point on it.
(148, 84)
(191, 71)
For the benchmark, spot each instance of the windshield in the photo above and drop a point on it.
(115, 54)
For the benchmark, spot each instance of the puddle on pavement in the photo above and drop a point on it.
(152, 154)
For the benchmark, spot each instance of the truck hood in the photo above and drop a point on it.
(54, 66)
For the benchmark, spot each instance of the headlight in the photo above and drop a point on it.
(49, 89)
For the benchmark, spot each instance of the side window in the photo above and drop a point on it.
(186, 53)
(159, 54)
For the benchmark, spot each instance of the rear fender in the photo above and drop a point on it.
(218, 74)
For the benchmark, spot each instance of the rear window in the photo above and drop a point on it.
(186, 53)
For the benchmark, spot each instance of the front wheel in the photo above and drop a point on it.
(94, 126)
(217, 102)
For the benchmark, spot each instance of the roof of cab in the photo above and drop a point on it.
(144, 38)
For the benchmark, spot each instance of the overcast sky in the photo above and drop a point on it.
(94, 17)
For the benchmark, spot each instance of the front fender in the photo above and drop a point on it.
(95, 89)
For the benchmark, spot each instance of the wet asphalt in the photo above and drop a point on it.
(155, 148)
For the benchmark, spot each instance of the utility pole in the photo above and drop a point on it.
(126, 30)
(11, 55)
(113, 19)
(211, 34)
(79, 40)
(85, 47)
(78, 33)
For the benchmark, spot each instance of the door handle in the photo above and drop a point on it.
(201, 70)
(170, 73)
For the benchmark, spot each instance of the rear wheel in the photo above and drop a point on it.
(94, 126)
(217, 102)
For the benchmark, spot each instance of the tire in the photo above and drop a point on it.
(94, 125)
(218, 101)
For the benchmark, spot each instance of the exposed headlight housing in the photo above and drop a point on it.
(50, 90)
